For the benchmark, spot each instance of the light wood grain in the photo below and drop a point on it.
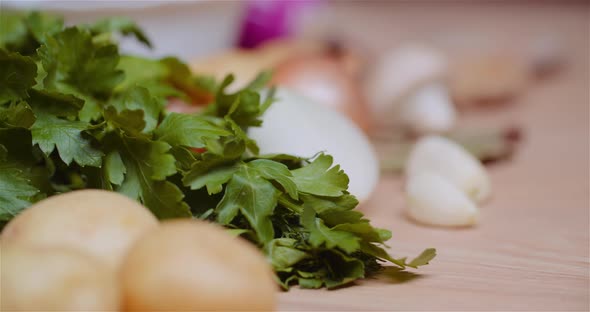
(531, 249)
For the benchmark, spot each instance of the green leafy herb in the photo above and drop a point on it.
(16, 191)
(320, 178)
(17, 115)
(74, 113)
(196, 130)
(121, 25)
(50, 132)
(72, 60)
(17, 75)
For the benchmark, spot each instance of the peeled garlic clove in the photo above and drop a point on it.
(400, 70)
(434, 200)
(451, 161)
(429, 110)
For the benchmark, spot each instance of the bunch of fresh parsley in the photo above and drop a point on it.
(75, 113)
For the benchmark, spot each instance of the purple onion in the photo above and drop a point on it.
(270, 19)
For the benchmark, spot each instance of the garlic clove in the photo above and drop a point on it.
(433, 200)
(451, 161)
(398, 71)
(429, 110)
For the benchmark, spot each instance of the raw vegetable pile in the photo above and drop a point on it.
(75, 113)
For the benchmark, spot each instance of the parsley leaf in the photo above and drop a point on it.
(42, 25)
(70, 57)
(214, 179)
(14, 35)
(272, 170)
(17, 75)
(243, 107)
(139, 98)
(17, 115)
(16, 192)
(283, 253)
(50, 132)
(147, 165)
(424, 258)
(24, 33)
(320, 234)
(122, 25)
(55, 103)
(196, 130)
(139, 71)
(129, 121)
(254, 197)
(320, 178)
(115, 168)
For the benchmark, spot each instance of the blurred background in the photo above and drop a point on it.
(482, 51)
(398, 70)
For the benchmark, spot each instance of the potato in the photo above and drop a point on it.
(102, 223)
(55, 279)
(190, 265)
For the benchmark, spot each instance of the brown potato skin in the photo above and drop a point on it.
(55, 279)
(191, 265)
(102, 223)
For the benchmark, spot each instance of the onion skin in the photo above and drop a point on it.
(325, 80)
(246, 64)
(325, 72)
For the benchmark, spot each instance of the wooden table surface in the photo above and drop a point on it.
(531, 248)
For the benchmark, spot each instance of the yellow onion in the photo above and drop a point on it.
(324, 80)
(323, 72)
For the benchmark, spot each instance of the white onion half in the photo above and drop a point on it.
(295, 125)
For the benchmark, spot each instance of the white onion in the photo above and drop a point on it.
(295, 125)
